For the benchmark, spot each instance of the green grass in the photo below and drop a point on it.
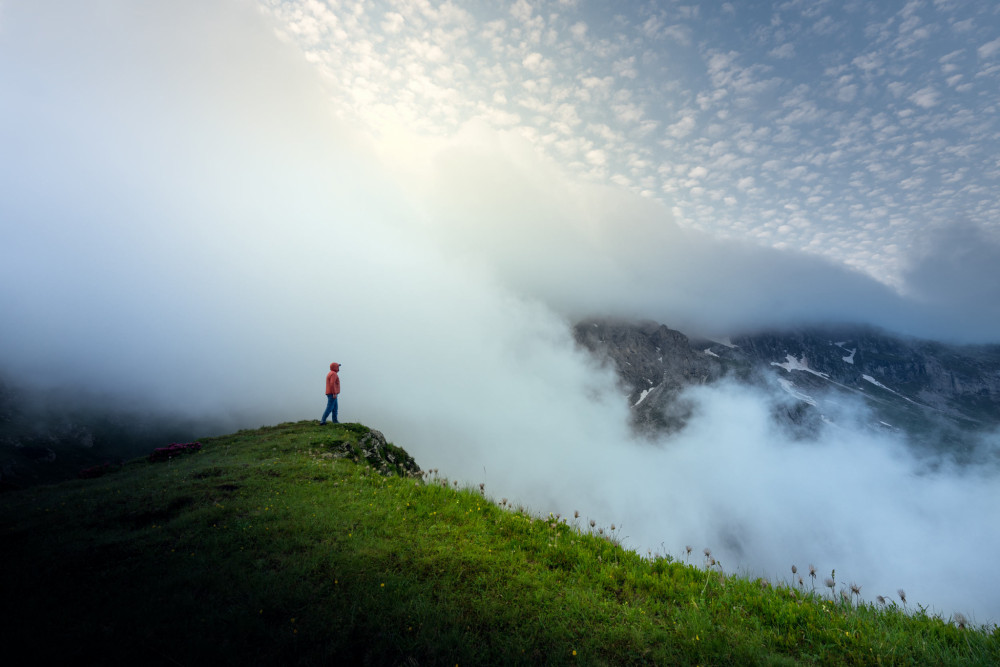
(275, 546)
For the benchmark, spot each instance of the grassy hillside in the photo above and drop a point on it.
(286, 546)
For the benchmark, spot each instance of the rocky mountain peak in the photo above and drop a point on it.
(930, 390)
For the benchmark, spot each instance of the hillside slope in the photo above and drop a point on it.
(301, 544)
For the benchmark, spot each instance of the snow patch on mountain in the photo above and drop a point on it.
(878, 384)
(790, 388)
(642, 397)
(849, 358)
(793, 364)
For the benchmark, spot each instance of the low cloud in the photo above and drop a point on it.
(186, 222)
(953, 275)
(586, 249)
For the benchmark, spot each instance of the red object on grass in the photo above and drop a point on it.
(172, 450)
(94, 471)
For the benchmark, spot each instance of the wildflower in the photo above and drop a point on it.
(960, 620)
(855, 589)
(880, 599)
(830, 583)
(707, 552)
(812, 571)
(794, 569)
(592, 522)
(902, 595)
(576, 514)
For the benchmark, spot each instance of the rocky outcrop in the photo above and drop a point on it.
(372, 447)
(655, 364)
(385, 457)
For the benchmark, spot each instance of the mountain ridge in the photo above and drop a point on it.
(923, 388)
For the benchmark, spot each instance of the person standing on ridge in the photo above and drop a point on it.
(332, 391)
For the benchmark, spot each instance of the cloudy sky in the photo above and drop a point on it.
(205, 202)
(850, 130)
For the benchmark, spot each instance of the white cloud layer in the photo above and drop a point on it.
(883, 122)
(186, 218)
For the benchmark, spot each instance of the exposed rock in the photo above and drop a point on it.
(932, 391)
(655, 363)
(960, 382)
(381, 455)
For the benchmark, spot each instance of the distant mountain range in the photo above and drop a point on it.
(43, 440)
(941, 396)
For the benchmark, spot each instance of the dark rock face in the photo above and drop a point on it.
(655, 364)
(960, 382)
(929, 390)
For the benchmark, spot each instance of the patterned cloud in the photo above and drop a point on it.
(860, 126)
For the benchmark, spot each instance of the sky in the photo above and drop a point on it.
(204, 203)
(864, 133)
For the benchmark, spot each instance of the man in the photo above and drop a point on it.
(332, 390)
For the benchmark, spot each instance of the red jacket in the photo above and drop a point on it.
(333, 380)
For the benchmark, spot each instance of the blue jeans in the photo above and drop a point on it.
(331, 409)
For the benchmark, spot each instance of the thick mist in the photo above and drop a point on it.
(188, 226)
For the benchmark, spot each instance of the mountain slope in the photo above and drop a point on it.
(938, 394)
(46, 437)
(302, 544)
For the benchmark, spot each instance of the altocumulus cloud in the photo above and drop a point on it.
(184, 219)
